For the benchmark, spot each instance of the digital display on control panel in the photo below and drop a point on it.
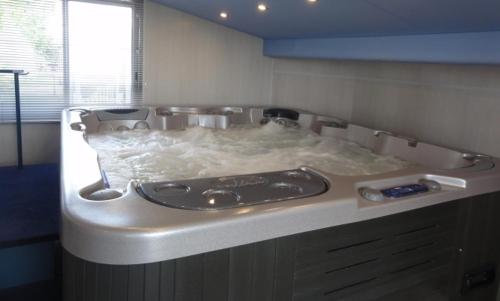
(405, 190)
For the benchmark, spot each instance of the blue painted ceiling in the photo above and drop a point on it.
(291, 19)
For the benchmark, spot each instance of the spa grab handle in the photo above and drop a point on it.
(18, 113)
(378, 132)
(472, 157)
(412, 142)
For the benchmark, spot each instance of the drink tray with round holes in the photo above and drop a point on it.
(234, 191)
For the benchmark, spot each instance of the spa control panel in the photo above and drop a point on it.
(405, 190)
(397, 192)
(234, 191)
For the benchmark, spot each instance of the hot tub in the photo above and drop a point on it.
(111, 218)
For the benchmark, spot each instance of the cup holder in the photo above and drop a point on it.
(171, 189)
(221, 197)
(104, 195)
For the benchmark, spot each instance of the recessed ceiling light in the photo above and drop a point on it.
(223, 15)
(312, 1)
(262, 7)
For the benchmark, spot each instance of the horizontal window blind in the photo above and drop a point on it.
(31, 38)
(76, 52)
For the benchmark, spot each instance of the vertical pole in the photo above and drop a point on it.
(65, 37)
(18, 122)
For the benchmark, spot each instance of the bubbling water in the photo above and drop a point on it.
(153, 155)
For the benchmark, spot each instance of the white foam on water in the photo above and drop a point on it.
(154, 155)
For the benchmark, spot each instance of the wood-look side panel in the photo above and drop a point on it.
(69, 276)
(285, 268)
(240, 273)
(189, 278)
(119, 282)
(104, 282)
(263, 269)
(135, 286)
(79, 285)
(167, 280)
(351, 260)
(90, 281)
(216, 276)
(479, 245)
(152, 282)
(400, 257)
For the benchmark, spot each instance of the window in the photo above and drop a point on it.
(77, 53)
(100, 52)
(31, 38)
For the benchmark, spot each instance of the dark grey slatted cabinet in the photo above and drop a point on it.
(417, 255)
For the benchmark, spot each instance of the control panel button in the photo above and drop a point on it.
(371, 194)
(432, 185)
(405, 190)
